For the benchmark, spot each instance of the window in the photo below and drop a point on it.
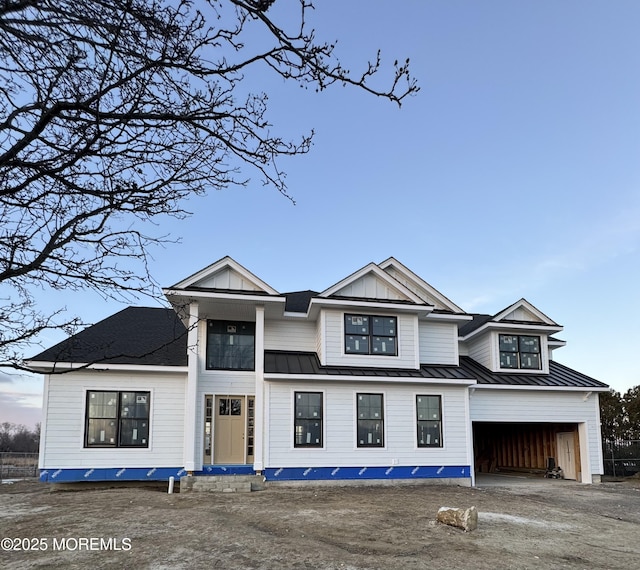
(230, 345)
(366, 334)
(370, 420)
(308, 419)
(117, 419)
(429, 421)
(520, 351)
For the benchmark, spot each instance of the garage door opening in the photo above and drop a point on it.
(527, 448)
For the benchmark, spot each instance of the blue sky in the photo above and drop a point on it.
(513, 173)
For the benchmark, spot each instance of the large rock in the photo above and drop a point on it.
(466, 519)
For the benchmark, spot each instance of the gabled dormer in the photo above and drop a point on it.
(515, 340)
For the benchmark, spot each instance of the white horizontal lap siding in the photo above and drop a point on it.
(334, 343)
(66, 420)
(480, 350)
(535, 406)
(340, 449)
(438, 343)
(290, 335)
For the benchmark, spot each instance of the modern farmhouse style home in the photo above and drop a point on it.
(378, 377)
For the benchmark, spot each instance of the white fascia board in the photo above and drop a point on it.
(420, 309)
(360, 379)
(417, 280)
(540, 388)
(447, 317)
(221, 264)
(380, 274)
(195, 295)
(51, 367)
(534, 327)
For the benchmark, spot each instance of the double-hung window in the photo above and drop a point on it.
(117, 419)
(308, 419)
(429, 421)
(231, 345)
(370, 420)
(520, 351)
(368, 334)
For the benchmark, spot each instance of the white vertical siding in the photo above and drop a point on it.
(334, 343)
(340, 447)
(295, 335)
(66, 420)
(541, 406)
(370, 287)
(438, 343)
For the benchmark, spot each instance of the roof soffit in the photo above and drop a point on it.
(226, 274)
(418, 285)
(371, 282)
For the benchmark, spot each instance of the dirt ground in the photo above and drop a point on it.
(533, 524)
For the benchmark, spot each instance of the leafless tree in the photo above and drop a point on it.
(113, 112)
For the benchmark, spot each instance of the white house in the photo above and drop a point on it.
(380, 376)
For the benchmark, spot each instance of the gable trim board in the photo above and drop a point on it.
(163, 351)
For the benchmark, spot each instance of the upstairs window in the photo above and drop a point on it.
(117, 419)
(367, 334)
(231, 345)
(520, 351)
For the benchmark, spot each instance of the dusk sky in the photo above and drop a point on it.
(514, 172)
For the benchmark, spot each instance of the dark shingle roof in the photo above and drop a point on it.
(298, 301)
(136, 335)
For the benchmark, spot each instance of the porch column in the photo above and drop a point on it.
(259, 427)
(191, 392)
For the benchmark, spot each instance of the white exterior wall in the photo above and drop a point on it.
(339, 424)
(66, 397)
(536, 406)
(290, 335)
(480, 350)
(438, 343)
(406, 341)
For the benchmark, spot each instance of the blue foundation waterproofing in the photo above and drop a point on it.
(271, 474)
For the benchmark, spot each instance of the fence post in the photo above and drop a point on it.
(613, 460)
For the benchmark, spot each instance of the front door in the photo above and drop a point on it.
(567, 454)
(229, 430)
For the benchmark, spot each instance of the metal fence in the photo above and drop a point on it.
(621, 457)
(18, 465)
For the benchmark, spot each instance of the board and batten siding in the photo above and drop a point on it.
(339, 424)
(542, 406)
(438, 343)
(293, 335)
(65, 420)
(334, 343)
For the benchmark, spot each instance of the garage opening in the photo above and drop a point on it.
(526, 447)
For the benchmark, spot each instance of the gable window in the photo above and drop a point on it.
(117, 419)
(429, 421)
(308, 419)
(367, 334)
(370, 420)
(230, 345)
(520, 351)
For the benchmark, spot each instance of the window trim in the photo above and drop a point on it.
(322, 420)
(417, 421)
(229, 323)
(519, 368)
(383, 443)
(118, 418)
(370, 336)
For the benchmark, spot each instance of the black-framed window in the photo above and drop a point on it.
(520, 351)
(231, 345)
(429, 421)
(308, 414)
(370, 334)
(117, 419)
(370, 420)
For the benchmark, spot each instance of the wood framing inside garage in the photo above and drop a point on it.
(525, 447)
